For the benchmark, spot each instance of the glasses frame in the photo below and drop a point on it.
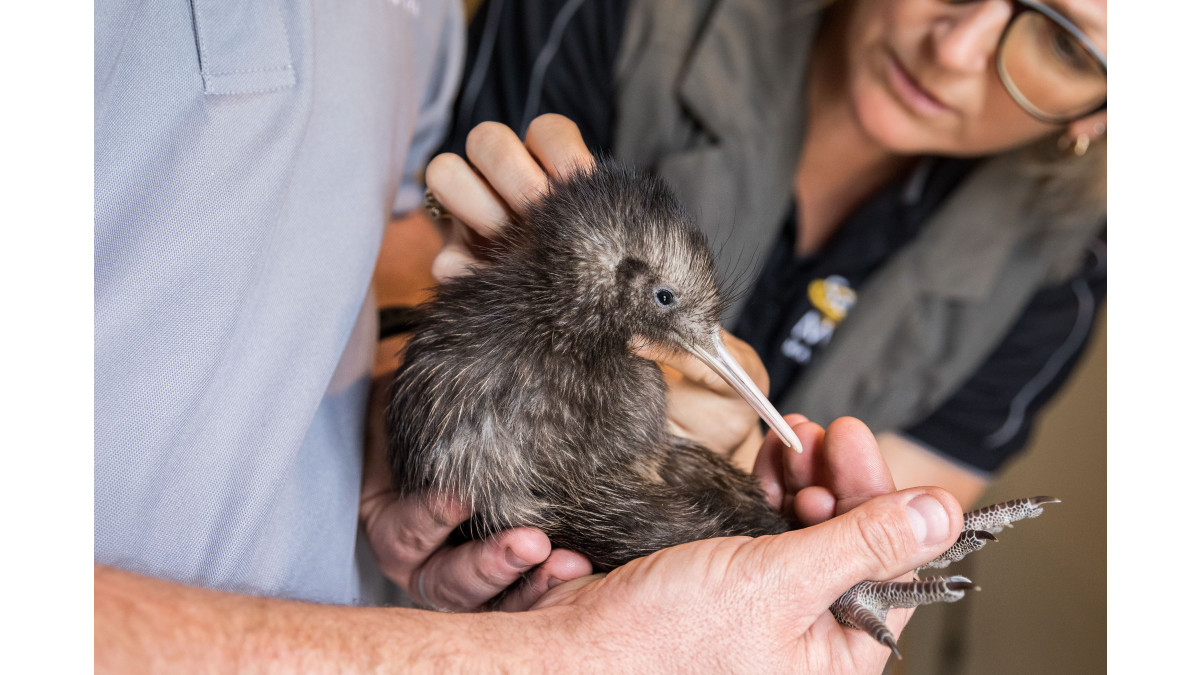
(1019, 8)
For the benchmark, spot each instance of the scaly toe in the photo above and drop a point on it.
(968, 542)
(865, 606)
(996, 517)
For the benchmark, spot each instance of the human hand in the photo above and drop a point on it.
(701, 405)
(409, 537)
(839, 469)
(760, 604)
(503, 176)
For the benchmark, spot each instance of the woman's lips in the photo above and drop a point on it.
(911, 92)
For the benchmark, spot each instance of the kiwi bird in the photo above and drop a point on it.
(521, 394)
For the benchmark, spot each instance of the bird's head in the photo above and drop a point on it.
(625, 261)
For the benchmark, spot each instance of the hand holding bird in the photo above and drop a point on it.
(524, 398)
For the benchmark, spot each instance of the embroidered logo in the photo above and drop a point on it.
(832, 299)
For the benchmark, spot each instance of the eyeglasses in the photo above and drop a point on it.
(1049, 66)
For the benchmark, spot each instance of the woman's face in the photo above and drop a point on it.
(921, 74)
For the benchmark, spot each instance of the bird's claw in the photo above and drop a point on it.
(865, 606)
(996, 517)
(981, 525)
(967, 543)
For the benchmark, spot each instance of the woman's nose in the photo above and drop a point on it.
(966, 36)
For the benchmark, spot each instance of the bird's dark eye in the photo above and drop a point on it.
(664, 297)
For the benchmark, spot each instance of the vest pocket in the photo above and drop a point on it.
(243, 46)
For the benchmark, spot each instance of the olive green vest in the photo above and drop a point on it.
(711, 97)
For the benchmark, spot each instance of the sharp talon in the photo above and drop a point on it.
(997, 517)
(968, 542)
(890, 642)
(960, 584)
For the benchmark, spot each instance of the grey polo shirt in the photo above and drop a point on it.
(247, 158)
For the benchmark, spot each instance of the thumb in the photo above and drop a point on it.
(881, 539)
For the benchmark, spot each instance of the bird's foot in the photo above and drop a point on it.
(865, 606)
(981, 525)
(996, 517)
(967, 543)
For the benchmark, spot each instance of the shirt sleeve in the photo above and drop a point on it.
(444, 68)
(529, 57)
(988, 420)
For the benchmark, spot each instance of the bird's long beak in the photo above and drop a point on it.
(717, 357)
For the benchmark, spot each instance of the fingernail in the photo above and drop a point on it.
(515, 561)
(930, 522)
(552, 582)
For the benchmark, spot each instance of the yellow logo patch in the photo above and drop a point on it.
(832, 296)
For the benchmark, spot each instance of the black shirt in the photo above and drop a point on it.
(526, 58)
(798, 301)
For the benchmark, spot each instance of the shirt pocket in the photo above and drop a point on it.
(243, 46)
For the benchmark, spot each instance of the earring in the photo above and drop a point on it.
(1078, 145)
(1082, 143)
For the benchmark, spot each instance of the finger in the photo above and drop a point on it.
(466, 194)
(560, 567)
(774, 461)
(844, 470)
(683, 368)
(467, 576)
(748, 359)
(505, 163)
(881, 539)
(564, 593)
(558, 146)
(855, 466)
(410, 529)
(802, 469)
(768, 468)
(815, 504)
(452, 261)
(694, 370)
